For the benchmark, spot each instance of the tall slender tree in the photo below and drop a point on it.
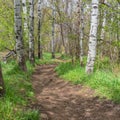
(118, 31)
(19, 34)
(39, 29)
(24, 7)
(93, 37)
(25, 26)
(59, 3)
(81, 32)
(103, 24)
(53, 31)
(2, 89)
(31, 32)
(81, 28)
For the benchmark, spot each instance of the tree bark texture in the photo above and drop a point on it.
(31, 32)
(53, 31)
(93, 37)
(39, 29)
(19, 34)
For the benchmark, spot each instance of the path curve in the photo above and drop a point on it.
(60, 100)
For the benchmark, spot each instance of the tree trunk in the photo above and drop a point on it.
(61, 27)
(2, 89)
(103, 25)
(24, 6)
(53, 32)
(31, 32)
(81, 28)
(19, 34)
(118, 33)
(39, 30)
(25, 24)
(93, 37)
(81, 32)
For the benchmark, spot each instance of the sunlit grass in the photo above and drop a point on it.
(18, 90)
(104, 81)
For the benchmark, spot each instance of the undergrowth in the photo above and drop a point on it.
(104, 80)
(47, 59)
(18, 92)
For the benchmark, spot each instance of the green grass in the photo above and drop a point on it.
(48, 60)
(104, 81)
(18, 91)
(19, 88)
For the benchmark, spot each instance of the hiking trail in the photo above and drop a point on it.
(57, 99)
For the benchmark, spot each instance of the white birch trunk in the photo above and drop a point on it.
(93, 37)
(103, 27)
(31, 32)
(39, 29)
(81, 33)
(25, 25)
(81, 28)
(24, 7)
(19, 34)
(103, 24)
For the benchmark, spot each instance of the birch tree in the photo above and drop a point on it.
(2, 89)
(19, 34)
(31, 32)
(58, 8)
(53, 30)
(39, 29)
(24, 7)
(103, 24)
(25, 17)
(118, 31)
(81, 28)
(93, 37)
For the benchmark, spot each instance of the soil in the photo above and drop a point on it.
(57, 99)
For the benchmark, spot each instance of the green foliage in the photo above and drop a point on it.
(31, 115)
(105, 82)
(64, 57)
(47, 59)
(18, 91)
(7, 24)
(103, 63)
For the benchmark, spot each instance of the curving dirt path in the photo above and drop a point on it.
(60, 100)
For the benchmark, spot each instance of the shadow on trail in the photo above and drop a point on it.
(57, 99)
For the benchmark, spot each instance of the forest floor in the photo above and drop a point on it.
(57, 99)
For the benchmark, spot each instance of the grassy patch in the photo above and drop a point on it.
(104, 81)
(18, 91)
(47, 59)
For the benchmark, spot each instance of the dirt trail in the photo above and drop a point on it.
(60, 100)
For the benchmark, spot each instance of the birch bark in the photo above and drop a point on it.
(93, 37)
(31, 32)
(53, 31)
(19, 34)
(25, 25)
(103, 24)
(39, 29)
(24, 6)
(81, 28)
